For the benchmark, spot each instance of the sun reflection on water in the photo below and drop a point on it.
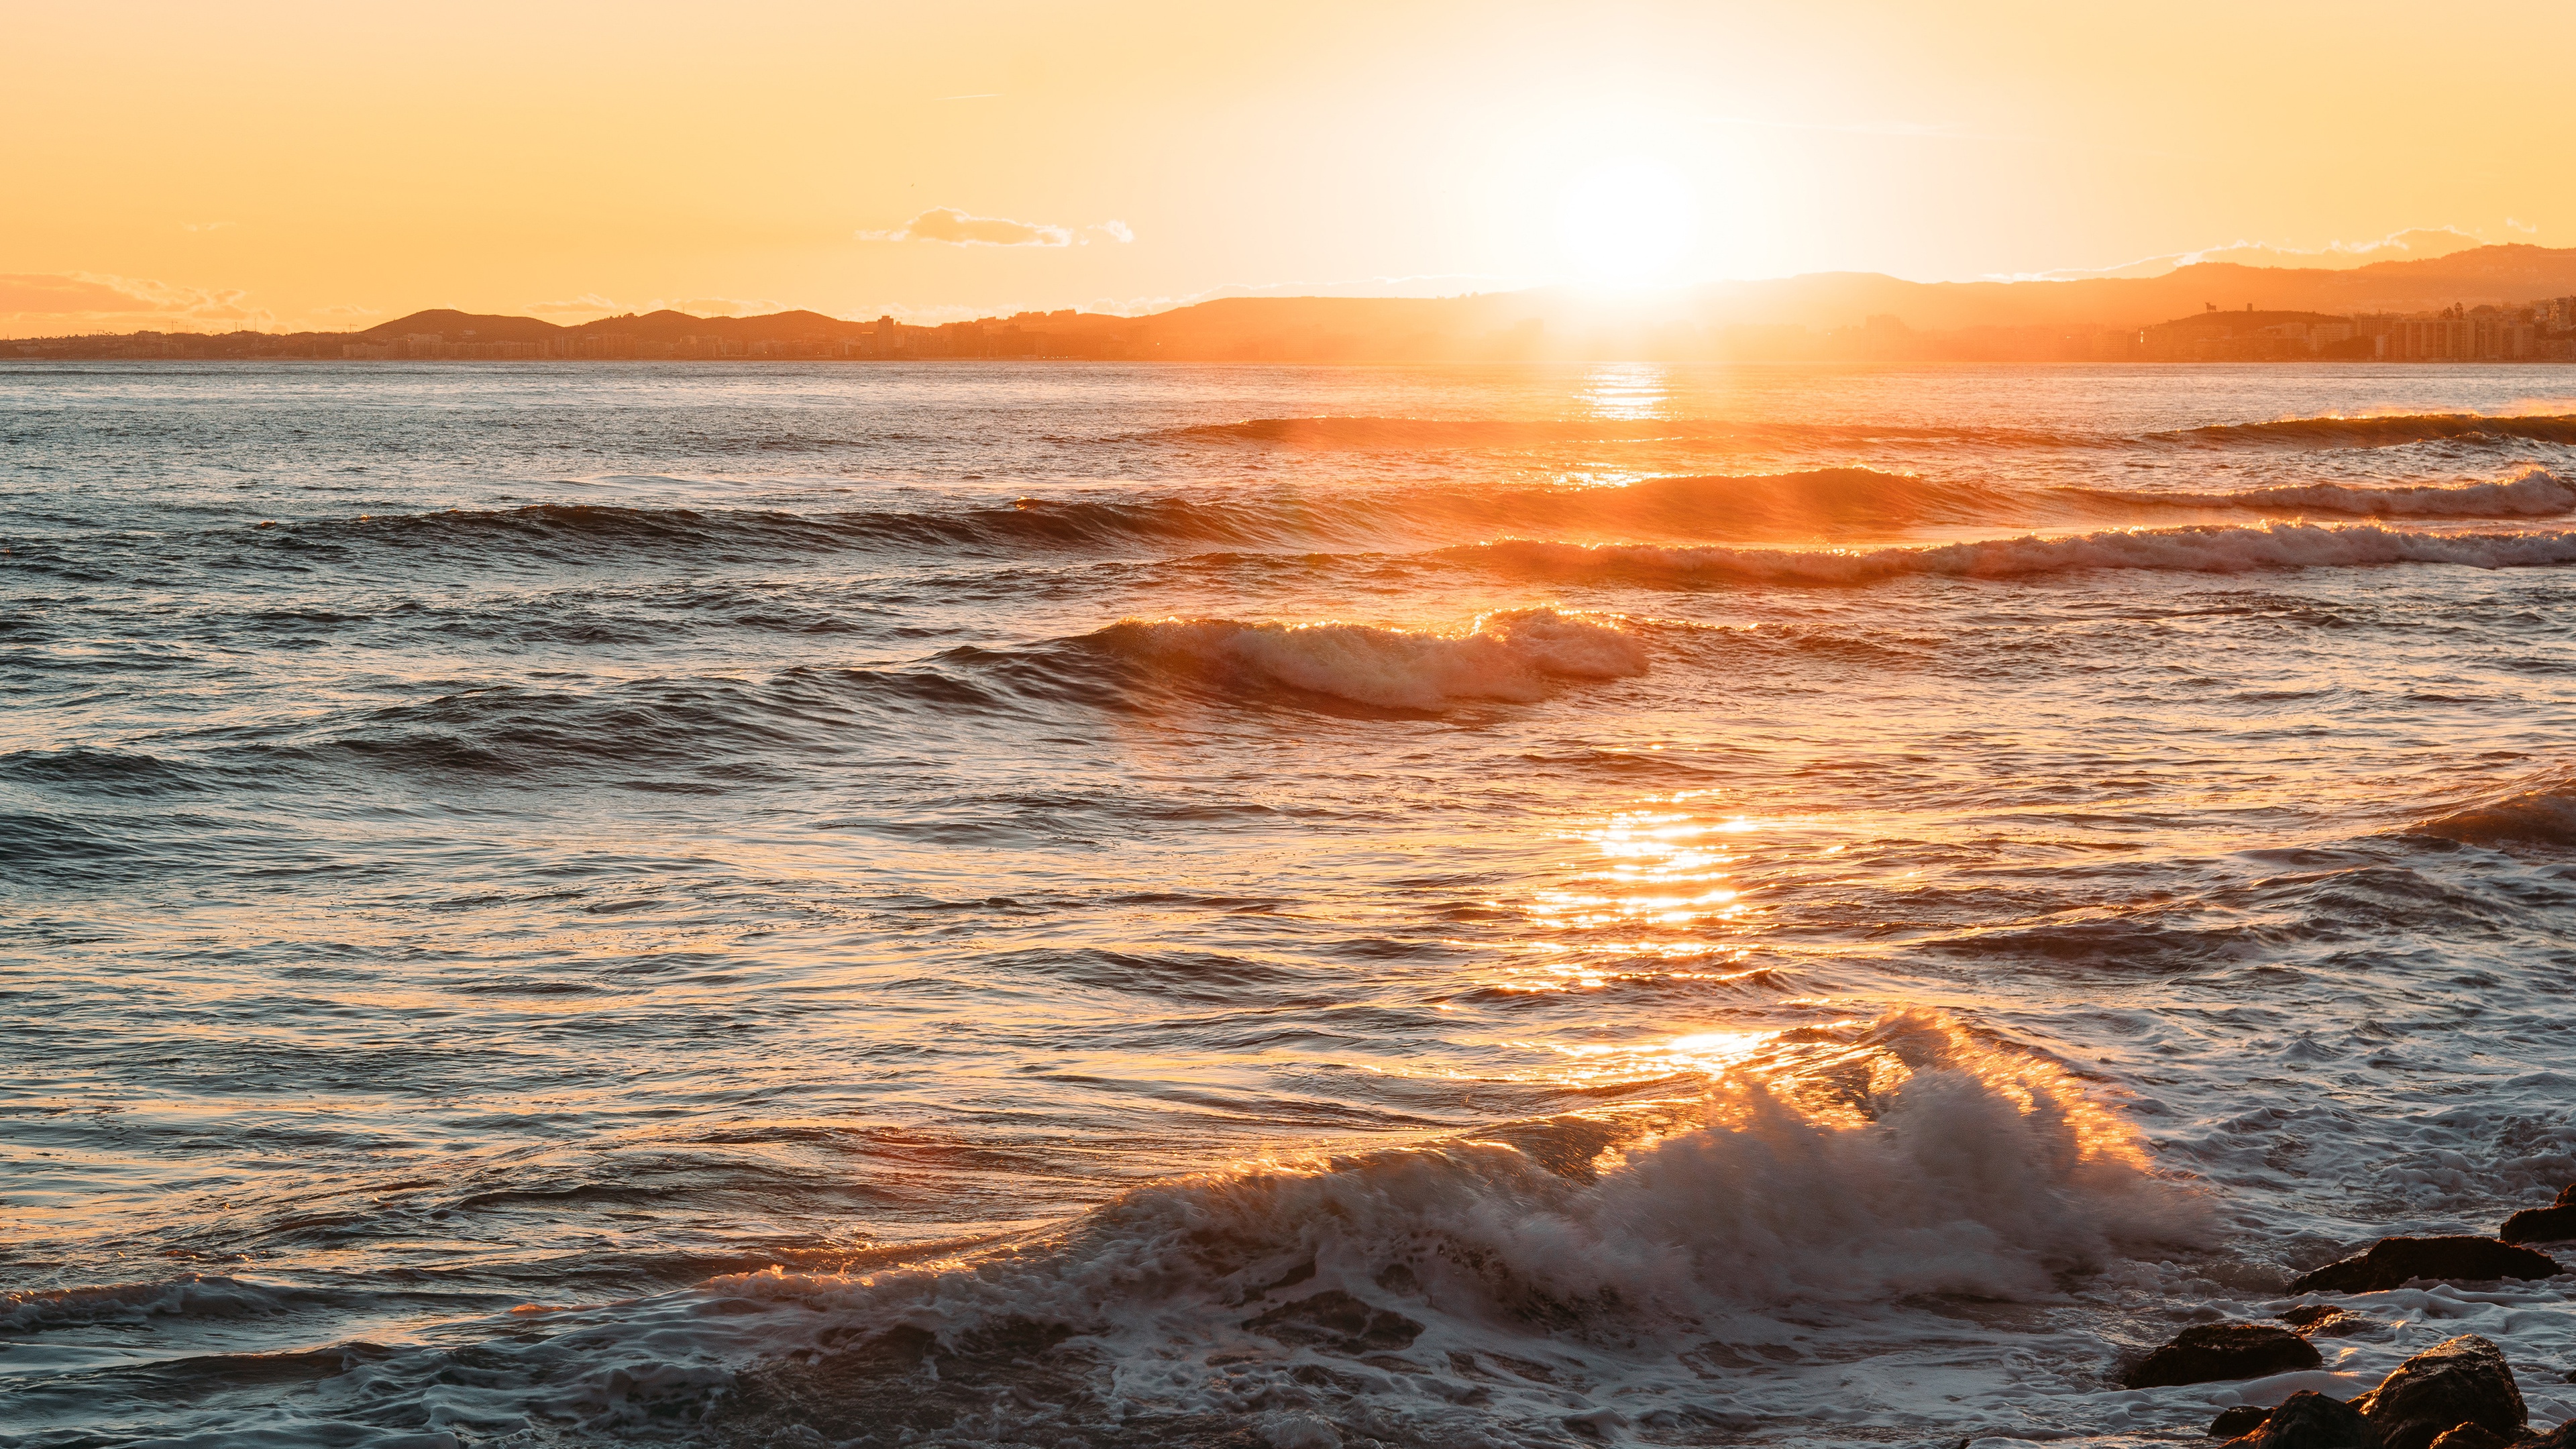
(1665, 888)
(1708, 1054)
(1630, 390)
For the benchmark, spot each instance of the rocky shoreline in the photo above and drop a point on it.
(2459, 1394)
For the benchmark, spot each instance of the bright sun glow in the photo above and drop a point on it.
(1629, 224)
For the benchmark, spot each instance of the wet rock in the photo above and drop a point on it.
(2392, 1261)
(2243, 1419)
(2314, 1319)
(2207, 1352)
(2562, 1437)
(1335, 1320)
(2542, 1225)
(2470, 1436)
(2310, 1421)
(2463, 1380)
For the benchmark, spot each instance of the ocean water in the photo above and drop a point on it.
(1094, 905)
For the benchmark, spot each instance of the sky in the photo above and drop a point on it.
(287, 165)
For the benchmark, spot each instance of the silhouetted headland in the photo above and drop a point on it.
(2499, 303)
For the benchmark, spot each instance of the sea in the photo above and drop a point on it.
(1266, 907)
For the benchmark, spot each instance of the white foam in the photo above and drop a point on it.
(1517, 654)
(1958, 1168)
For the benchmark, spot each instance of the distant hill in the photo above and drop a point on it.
(1820, 315)
(464, 326)
(664, 326)
(2498, 274)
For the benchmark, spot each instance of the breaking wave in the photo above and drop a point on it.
(2201, 549)
(2381, 432)
(1906, 1158)
(1518, 655)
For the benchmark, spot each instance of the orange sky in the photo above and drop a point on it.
(300, 164)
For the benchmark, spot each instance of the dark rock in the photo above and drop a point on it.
(2562, 1437)
(2243, 1419)
(2211, 1351)
(2313, 1319)
(2392, 1261)
(2464, 1380)
(2470, 1436)
(2311, 1421)
(2541, 1225)
(1335, 1320)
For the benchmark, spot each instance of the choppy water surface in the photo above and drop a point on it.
(1096, 905)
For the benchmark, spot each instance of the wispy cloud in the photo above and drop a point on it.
(948, 226)
(206, 225)
(61, 301)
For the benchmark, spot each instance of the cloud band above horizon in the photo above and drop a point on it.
(951, 227)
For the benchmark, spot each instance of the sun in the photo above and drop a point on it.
(1628, 224)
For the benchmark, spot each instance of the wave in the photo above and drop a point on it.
(2543, 815)
(718, 732)
(1405, 433)
(2388, 430)
(1748, 508)
(189, 1296)
(2199, 549)
(1905, 1158)
(2533, 493)
(1689, 505)
(1518, 655)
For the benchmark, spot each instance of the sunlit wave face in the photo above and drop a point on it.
(1629, 224)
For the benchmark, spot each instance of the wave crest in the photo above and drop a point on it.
(2543, 815)
(1519, 655)
(1905, 1157)
(2201, 549)
(1367, 432)
(2385, 431)
(2533, 493)
(189, 1296)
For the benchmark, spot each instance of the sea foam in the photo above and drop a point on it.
(1908, 1158)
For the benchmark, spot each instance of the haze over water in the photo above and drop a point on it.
(1728, 904)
